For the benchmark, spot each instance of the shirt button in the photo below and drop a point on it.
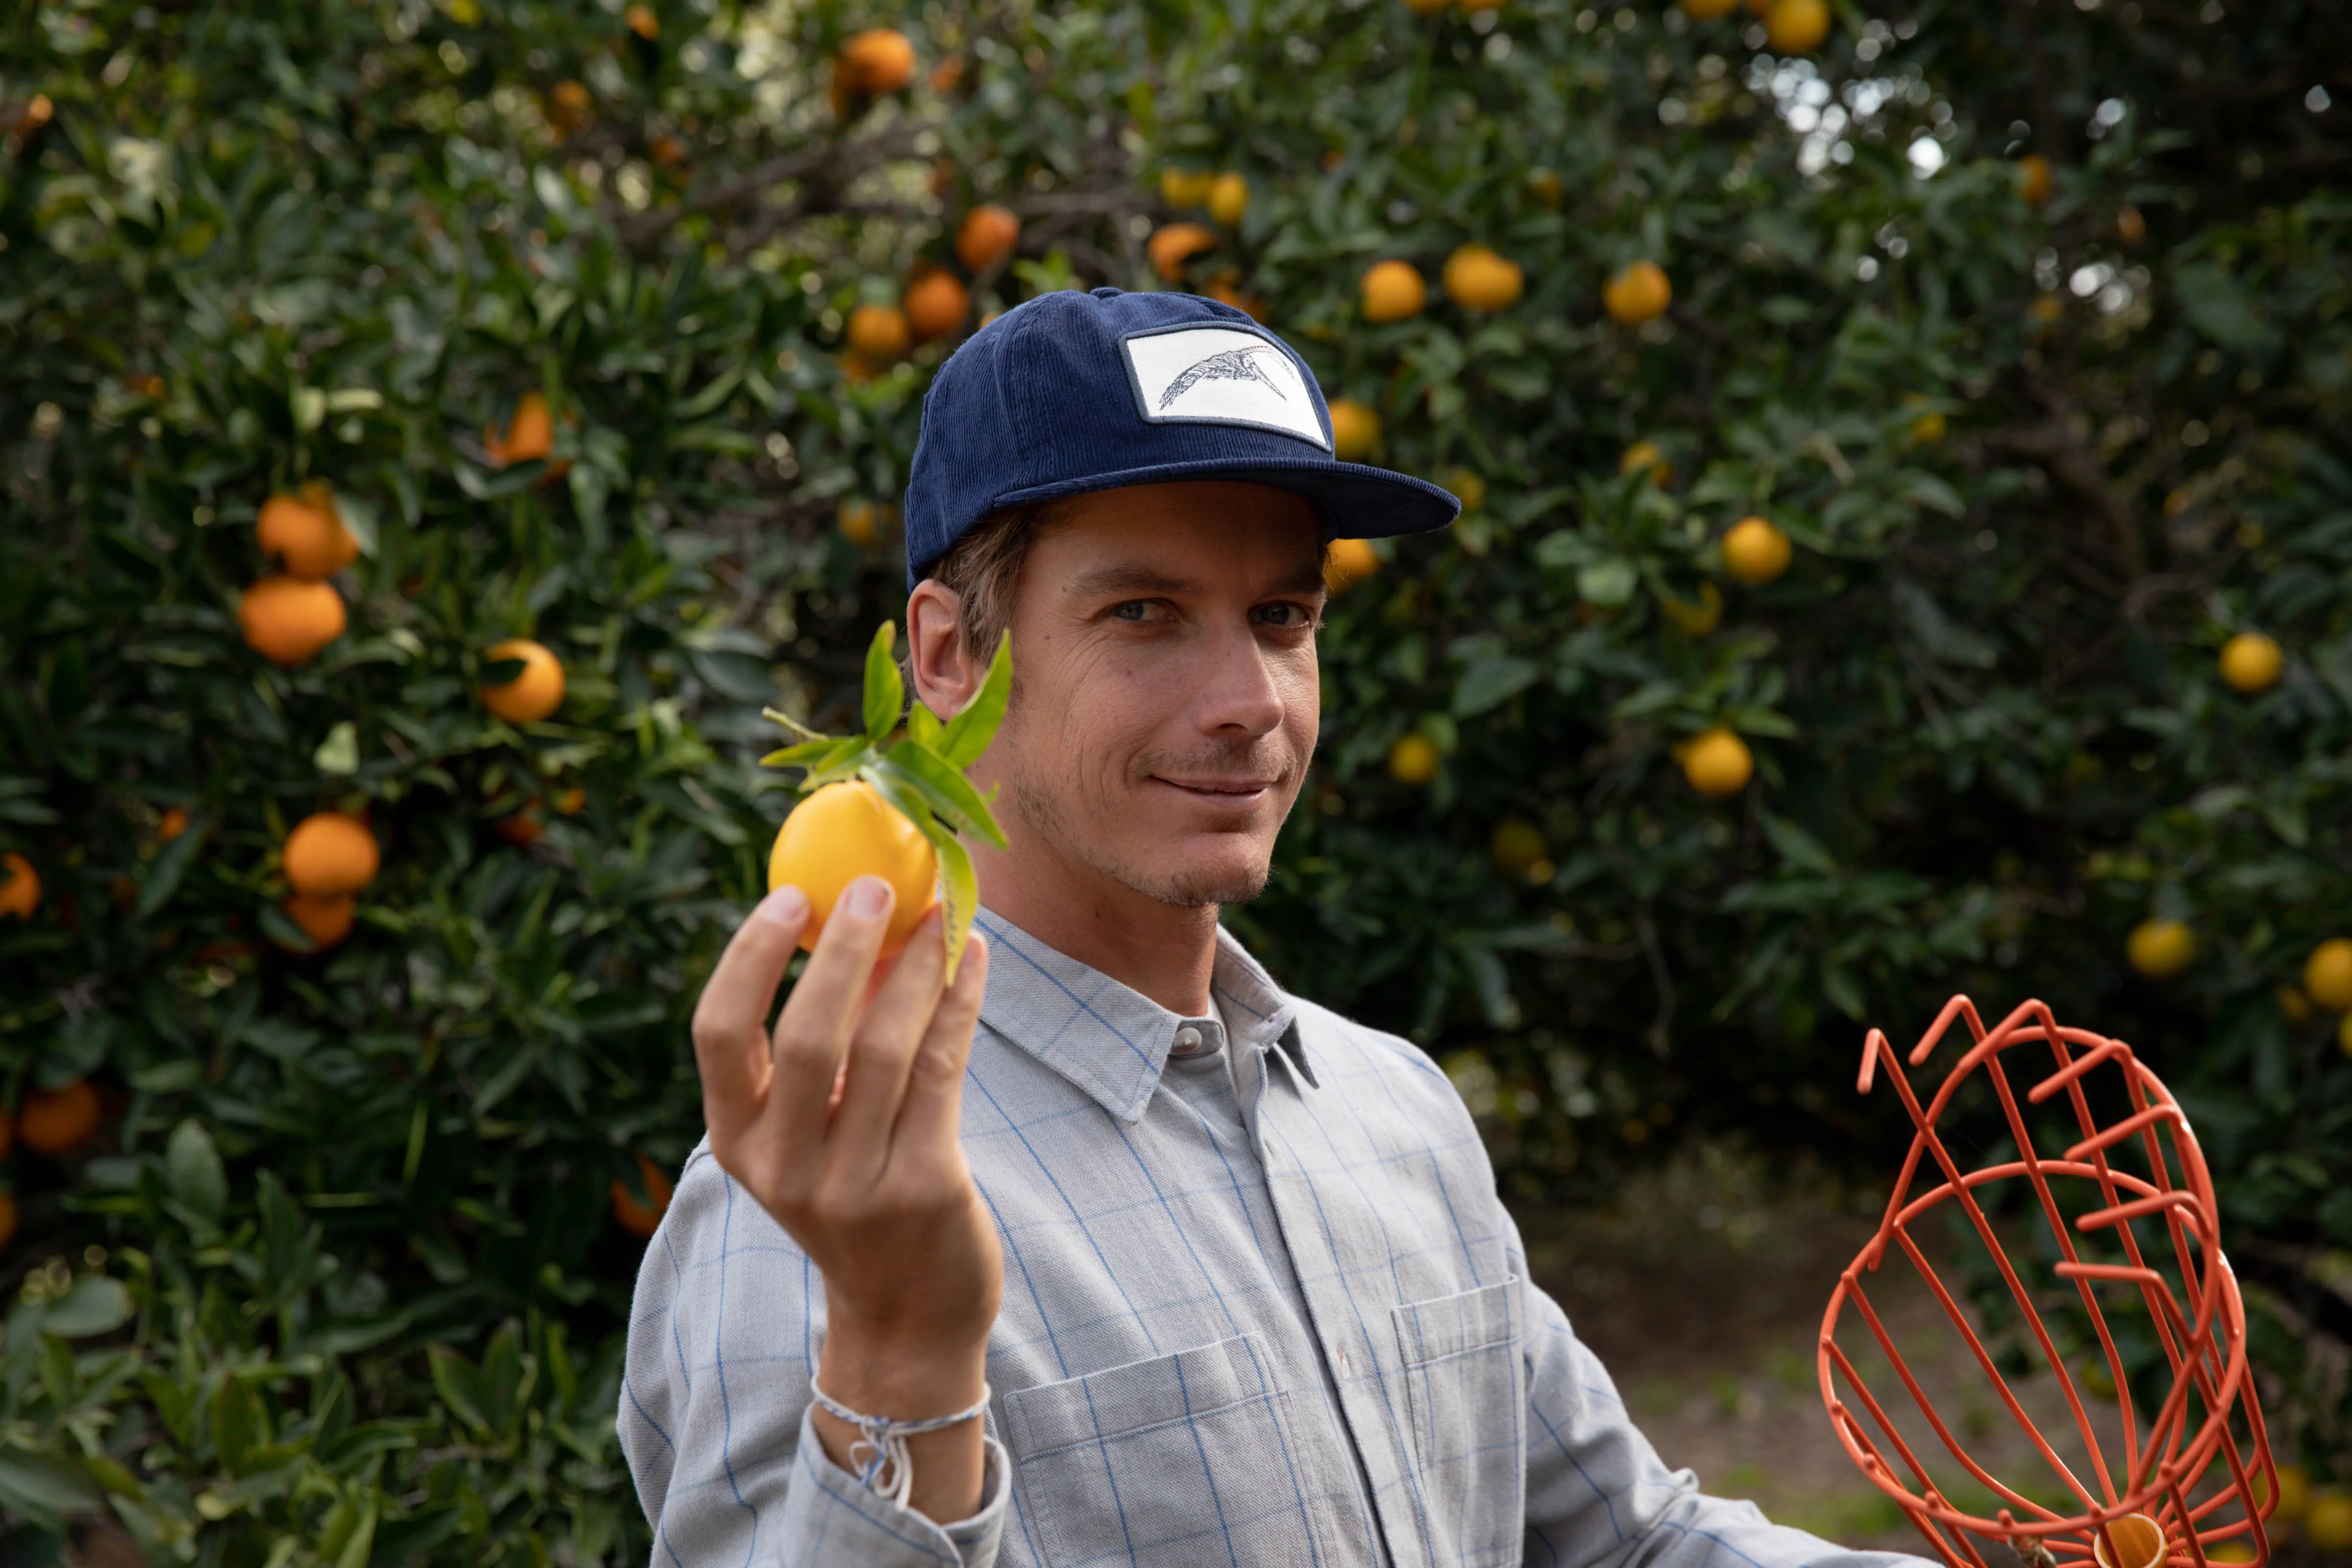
(1188, 1040)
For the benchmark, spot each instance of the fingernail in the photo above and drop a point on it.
(786, 906)
(868, 897)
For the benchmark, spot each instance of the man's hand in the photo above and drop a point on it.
(843, 1124)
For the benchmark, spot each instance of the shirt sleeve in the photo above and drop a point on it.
(714, 1406)
(1600, 1497)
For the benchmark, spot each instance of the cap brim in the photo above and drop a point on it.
(1357, 500)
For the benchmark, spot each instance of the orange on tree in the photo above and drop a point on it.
(1355, 430)
(1518, 847)
(2252, 662)
(331, 854)
(877, 60)
(1927, 428)
(173, 824)
(2294, 1494)
(1716, 762)
(1637, 293)
(936, 305)
(2327, 1523)
(524, 826)
(1393, 290)
(20, 889)
(288, 620)
(2327, 975)
(572, 802)
(667, 150)
(2161, 949)
(879, 331)
(2130, 226)
(1696, 618)
(947, 75)
(642, 22)
(1478, 280)
(326, 920)
(56, 1122)
(642, 1218)
(529, 436)
(536, 690)
(1468, 488)
(1185, 187)
(2033, 179)
(569, 103)
(1755, 551)
(1644, 457)
(1173, 244)
(1413, 759)
(307, 533)
(1796, 26)
(844, 831)
(857, 520)
(1229, 195)
(1226, 289)
(1346, 562)
(986, 237)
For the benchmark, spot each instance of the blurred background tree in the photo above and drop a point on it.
(2024, 331)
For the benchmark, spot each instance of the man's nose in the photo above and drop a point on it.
(1238, 692)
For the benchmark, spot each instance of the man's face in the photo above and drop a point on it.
(1166, 692)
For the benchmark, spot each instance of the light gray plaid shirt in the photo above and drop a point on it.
(1261, 1307)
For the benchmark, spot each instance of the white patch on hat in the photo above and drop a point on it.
(1220, 375)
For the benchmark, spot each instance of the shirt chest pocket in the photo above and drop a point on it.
(1170, 1463)
(1466, 1395)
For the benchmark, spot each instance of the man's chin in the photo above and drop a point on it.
(1192, 883)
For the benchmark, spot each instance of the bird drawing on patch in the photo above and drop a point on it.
(1232, 364)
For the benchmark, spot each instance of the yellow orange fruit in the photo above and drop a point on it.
(2130, 226)
(1478, 280)
(845, 831)
(1393, 290)
(307, 533)
(1927, 428)
(1517, 848)
(2046, 308)
(642, 1218)
(986, 237)
(326, 920)
(2294, 1494)
(946, 77)
(2033, 179)
(1346, 562)
(2328, 1523)
(56, 1122)
(173, 824)
(1546, 186)
(1717, 763)
(877, 60)
(1796, 26)
(1229, 195)
(288, 620)
(528, 436)
(20, 890)
(1756, 552)
(879, 331)
(1644, 457)
(857, 520)
(572, 801)
(1226, 289)
(1638, 293)
(1355, 430)
(569, 103)
(642, 22)
(522, 827)
(2252, 662)
(2328, 976)
(1185, 187)
(1413, 759)
(1468, 488)
(532, 694)
(1696, 618)
(331, 854)
(936, 305)
(1173, 244)
(2161, 949)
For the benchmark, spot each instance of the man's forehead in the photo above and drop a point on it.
(1140, 542)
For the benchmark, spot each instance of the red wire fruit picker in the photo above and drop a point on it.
(2129, 1210)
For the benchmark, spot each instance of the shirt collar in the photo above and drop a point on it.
(1107, 1039)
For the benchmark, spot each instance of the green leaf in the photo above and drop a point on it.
(886, 691)
(44, 1486)
(960, 891)
(164, 876)
(794, 725)
(923, 725)
(339, 754)
(947, 791)
(965, 737)
(199, 1182)
(96, 1305)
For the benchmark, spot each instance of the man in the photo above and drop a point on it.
(1166, 1265)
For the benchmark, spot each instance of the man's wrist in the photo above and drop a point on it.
(900, 1376)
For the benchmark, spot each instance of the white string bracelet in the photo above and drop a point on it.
(879, 1455)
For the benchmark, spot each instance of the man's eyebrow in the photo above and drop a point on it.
(1137, 580)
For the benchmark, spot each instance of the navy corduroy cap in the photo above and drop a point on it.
(1069, 393)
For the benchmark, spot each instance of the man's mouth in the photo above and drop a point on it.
(1220, 791)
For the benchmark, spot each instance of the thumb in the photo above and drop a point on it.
(730, 1019)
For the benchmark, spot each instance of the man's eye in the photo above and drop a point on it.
(1294, 616)
(1133, 610)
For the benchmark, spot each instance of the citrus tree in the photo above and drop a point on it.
(1907, 549)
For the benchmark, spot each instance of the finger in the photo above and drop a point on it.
(885, 1043)
(814, 1030)
(730, 1018)
(931, 1112)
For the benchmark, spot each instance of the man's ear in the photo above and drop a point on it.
(944, 676)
